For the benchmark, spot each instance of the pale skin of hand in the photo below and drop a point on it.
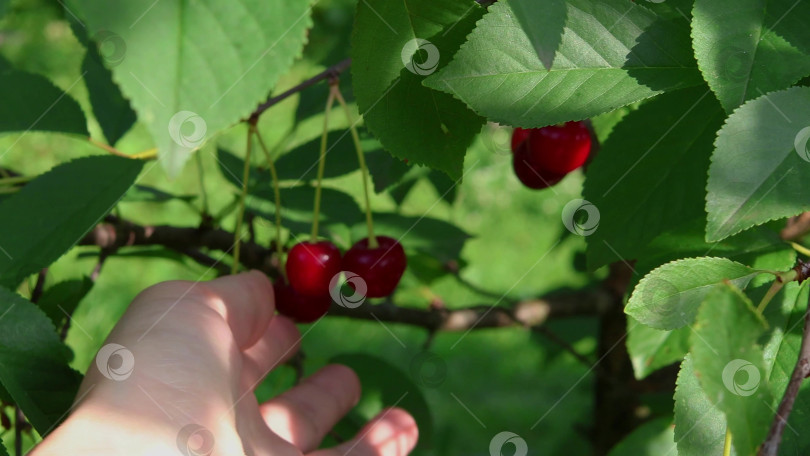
(199, 350)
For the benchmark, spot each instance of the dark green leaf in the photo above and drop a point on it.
(757, 174)
(730, 365)
(744, 50)
(52, 212)
(111, 109)
(436, 237)
(669, 296)
(638, 181)
(33, 363)
(297, 204)
(700, 427)
(33, 103)
(653, 438)
(651, 349)
(385, 385)
(386, 171)
(147, 194)
(395, 44)
(612, 53)
(61, 299)
(301, 163)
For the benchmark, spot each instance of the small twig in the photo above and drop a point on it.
(40, 285)
(102, 257)
(555, 338)
(800, 372)
(796, 227)
(297, 363)
(19, 424)
(329, 73)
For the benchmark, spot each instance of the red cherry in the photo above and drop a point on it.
(311, 266)
(532, 176)
(556, 149)
(380, 267)
(303, 309)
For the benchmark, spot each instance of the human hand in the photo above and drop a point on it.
(182, 383)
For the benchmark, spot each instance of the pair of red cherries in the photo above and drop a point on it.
(312, 265)
(541, 157)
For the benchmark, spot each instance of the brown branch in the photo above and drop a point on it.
(800, 372)
(796, 227)
(331, 72)
(529, 313)
(115, 233)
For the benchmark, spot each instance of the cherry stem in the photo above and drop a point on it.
(727, 443)
(316, 211)
(372, 240)
(277, 195)
(772, 291)
(245, 176)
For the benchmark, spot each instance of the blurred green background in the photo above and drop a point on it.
(495, 380)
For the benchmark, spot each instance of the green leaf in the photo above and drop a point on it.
(52, 212)
(651, 349)
(757, 174)
(33, 363)
(32, 103)
(385, 385)
(147, 194)
(111, 109)
(395, 44)
(700, 427)
(435, 237)
(612, 53)
(678, 131)
(730, 364)
(60, 300)
(3, 451)
(760, 247)
(297, 204)
(387, 171)
(301, 163)
(543, 26)
(191, 69)
(781, 353)
(669, 296)
(743, 51)
(653, 438)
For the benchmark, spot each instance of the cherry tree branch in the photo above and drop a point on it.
(116, 233)
(331, 72)
(800, 372)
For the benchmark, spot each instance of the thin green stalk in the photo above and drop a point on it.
(727, 444)
(316, 211)
(16, 180)
(245, 176)
(277, 194)
(772, 291)
(372, 240)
